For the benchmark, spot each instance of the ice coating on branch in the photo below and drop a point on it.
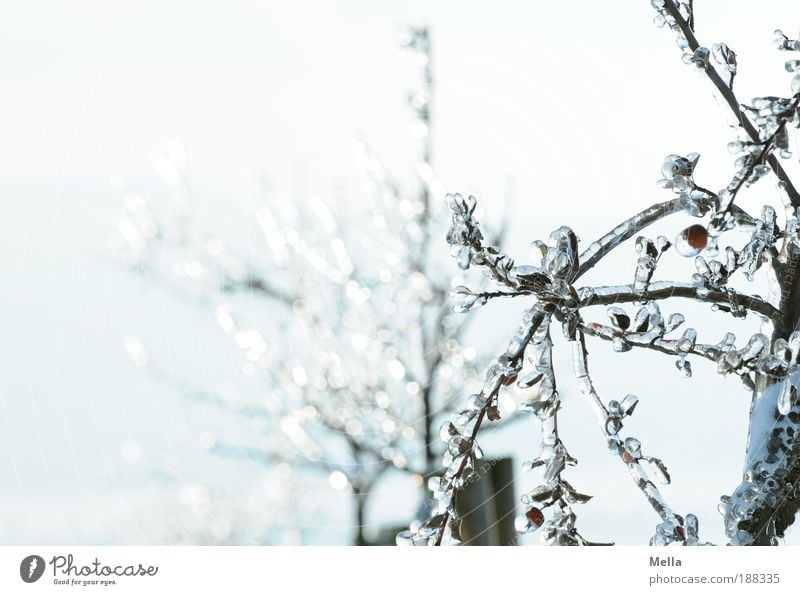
(556, 493)
(460, 436)
(646, 265)
(770, 477)
(634, 311)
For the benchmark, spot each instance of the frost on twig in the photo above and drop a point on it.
(767, 362)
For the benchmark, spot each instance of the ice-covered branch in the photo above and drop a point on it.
(624, 231)
(682, 25)
(460, 436)
(672, 527)
(660, 290)
(555, 492)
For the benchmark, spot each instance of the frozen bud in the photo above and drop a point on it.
(684, 367)
(475, 402)
(628, 404)
(538, 250)
(724, 56)
(724, 504)
(672, 166)
(493, 413)
(735, 147)
(455, 202)
(699, 58)
(687, 340)
(646, 246)
(618, 317)
(447, 431)
(620, 345)
(641, 321)
(659, 470)
(780, 40)
(674, 321)
(794, 346)
(458, 445)
(460, 291)
(781, 348)
(613, 425)
(406, 538)
(675, 165)
(633, 447)
(436, 483)
(755, 346)
(692, 240)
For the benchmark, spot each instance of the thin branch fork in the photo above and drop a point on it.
(660, 345)
(489, 396)
(733, 103)
(624, 231)
(637, 472)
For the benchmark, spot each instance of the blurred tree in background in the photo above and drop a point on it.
(359, 356)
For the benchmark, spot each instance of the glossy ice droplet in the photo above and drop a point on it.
(794, 346)
(659, 470)
(684, 367)
(628, 404)
(755, 346)
(633, 447)
(675, 165)
(692, 240)
(787, 398)
(687, 340)
(781, 348)
(674, 321)
(620, 345)
(618, 317)
(792, 65)
(447, 431)
(613, 425)
(735, 147)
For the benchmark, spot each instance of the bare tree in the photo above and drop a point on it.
(361, 355)
(764, 504)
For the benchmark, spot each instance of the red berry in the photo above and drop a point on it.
(697, 236)
(692, 240)
(535, 516)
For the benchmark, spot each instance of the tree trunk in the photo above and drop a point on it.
(764, 505)
(360, 500)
